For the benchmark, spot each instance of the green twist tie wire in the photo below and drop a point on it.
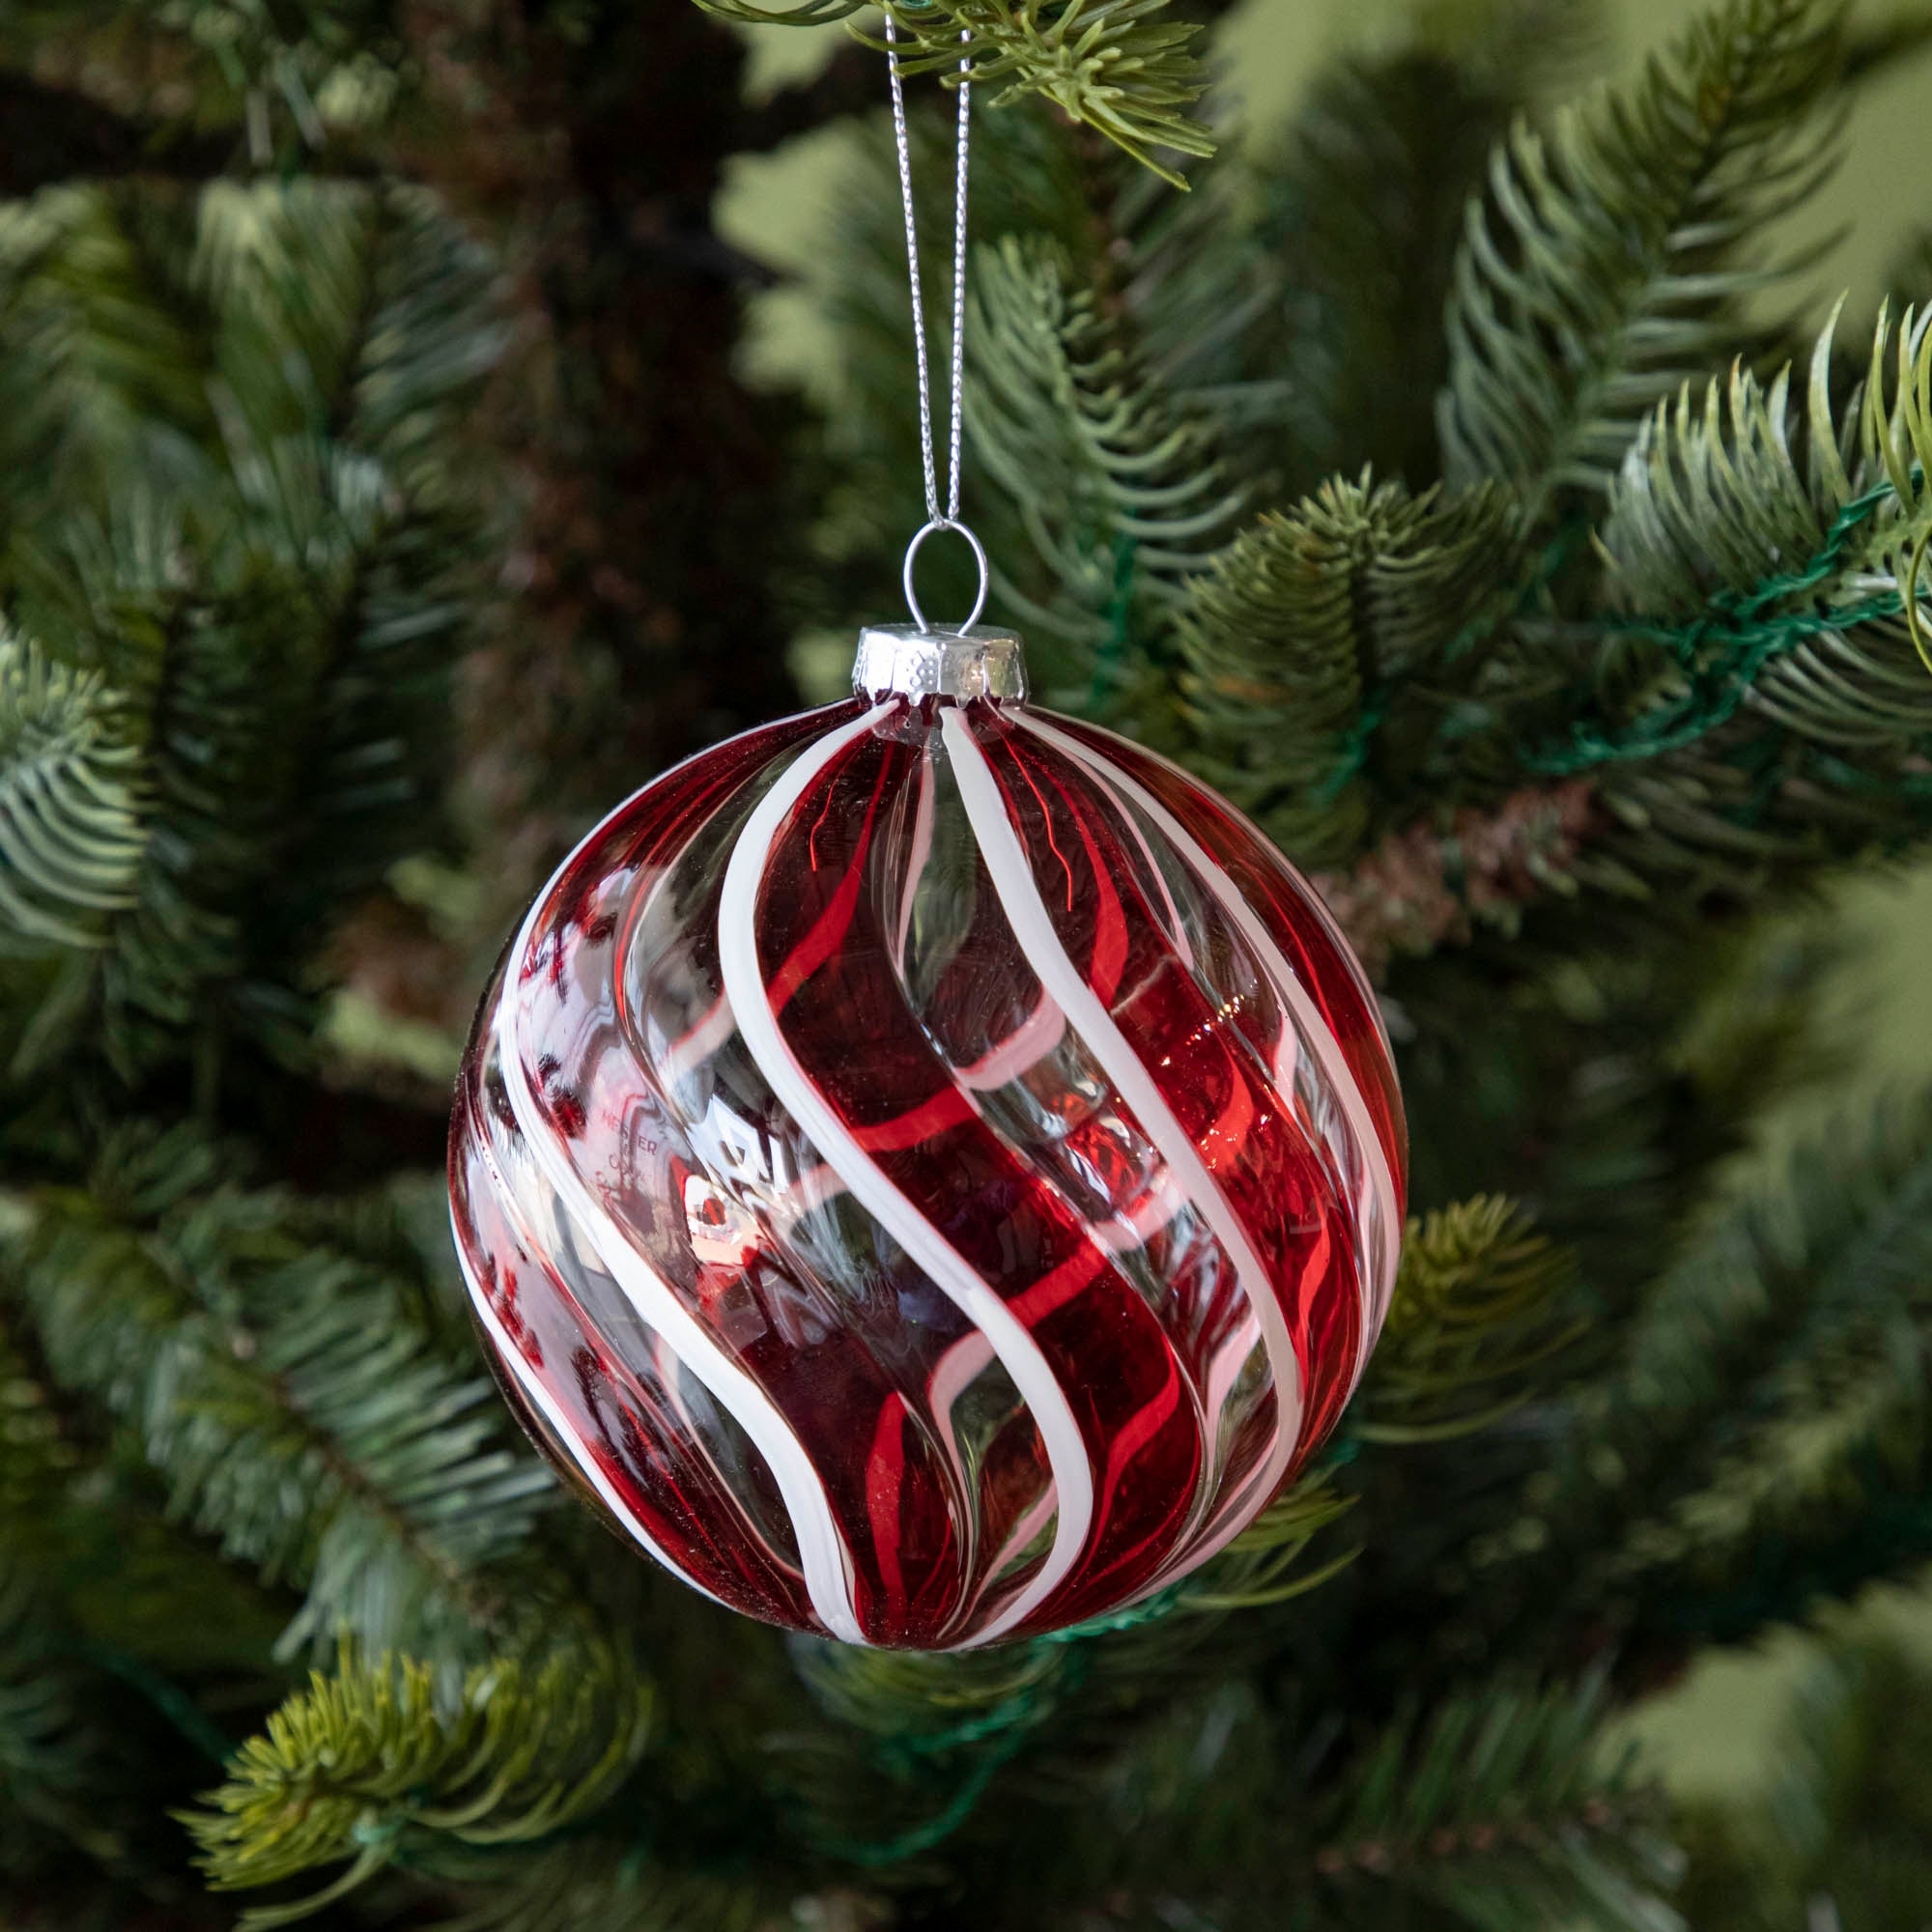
(1751, 640)
(1150, 1610)
(1352, 753)
(936, 1830)
(167, 1697)
(1355, 750)
(1005, 1729)
(1012, 1722)
(905, 1750)
(1120, 613)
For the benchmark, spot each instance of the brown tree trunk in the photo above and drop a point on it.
(659, 510)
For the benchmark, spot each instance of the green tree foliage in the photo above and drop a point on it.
(277, 1387)
(312, 339)
(71, 814)
(1314, 624)
(1120, 487)
(369, 1765)
(370, 488)
(1842, 1833)
(1477, 1306)
(45, 1754)
(1500, 1807)
(1123, 66)
(1608, 259)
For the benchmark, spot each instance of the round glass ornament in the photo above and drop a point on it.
(928, 1169)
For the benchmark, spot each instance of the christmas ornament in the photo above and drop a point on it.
(928, 1169)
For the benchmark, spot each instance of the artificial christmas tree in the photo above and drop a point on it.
(381, 500)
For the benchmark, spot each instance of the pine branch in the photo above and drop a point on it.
(1316, 645)
(1477, 1312)
(1615, 1064)
(1847, 1505)
(87, 1520)
(1118, 486)
(1766, 1434)
(1768, 706)
(137, 994)
(105, 337)
(1265, 1564)
(46, 1758)
(1608, 262)
(1280, 295)
(1362, 211)
(343, 329)
(1504, 1812)
(345, 485)
(1811, 522)
(72, 829)
(1757, 701)
(50, 1756)
(1123, 66)
(280, 1390)
(1382, 161)
(1432, 885)
(37, 1460)
(372, 1765)
(596, 1882)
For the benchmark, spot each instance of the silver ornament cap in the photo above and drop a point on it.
(909, 660)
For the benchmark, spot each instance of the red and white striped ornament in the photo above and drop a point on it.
(929, 1170)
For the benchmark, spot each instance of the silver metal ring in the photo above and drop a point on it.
(912, 553)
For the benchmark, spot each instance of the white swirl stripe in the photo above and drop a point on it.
(923, 1243)
(534, 1392)
(822, 1554)
(1380, 1215)
(1385, 1221)
(1032, 926)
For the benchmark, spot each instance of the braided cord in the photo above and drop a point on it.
(949, 514)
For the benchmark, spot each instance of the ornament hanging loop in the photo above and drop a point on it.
(947, 517)
(930, 529)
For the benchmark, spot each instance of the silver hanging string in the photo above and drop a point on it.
(938, 518)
